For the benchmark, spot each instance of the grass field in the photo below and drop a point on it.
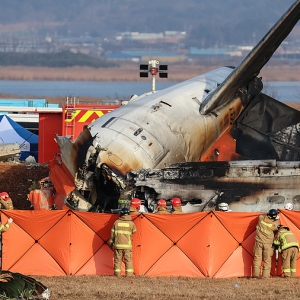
(169, 288)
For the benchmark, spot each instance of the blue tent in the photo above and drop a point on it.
(12, 132)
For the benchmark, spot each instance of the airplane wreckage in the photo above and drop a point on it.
(214, 138)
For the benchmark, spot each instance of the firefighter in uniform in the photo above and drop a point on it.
(135, 206)
(176, 206)
(120, 239)
(288, 246)
(5, 201)
(263, 247)
(162, 207)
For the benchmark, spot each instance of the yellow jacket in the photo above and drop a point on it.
(4, 227)
(120, 236)
(285, 239)
(265, 229)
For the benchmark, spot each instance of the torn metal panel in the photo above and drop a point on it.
(286, 142)
(268, 129)
(245, 185)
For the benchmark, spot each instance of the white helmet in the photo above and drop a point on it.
(289, 206)
(223, 206)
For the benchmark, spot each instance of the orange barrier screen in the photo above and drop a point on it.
(65, 242)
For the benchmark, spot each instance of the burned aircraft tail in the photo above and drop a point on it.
(268, 129)
(250, 67)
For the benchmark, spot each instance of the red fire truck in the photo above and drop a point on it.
(70, 121)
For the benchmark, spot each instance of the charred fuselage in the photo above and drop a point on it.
(245, 185)
(180, 125)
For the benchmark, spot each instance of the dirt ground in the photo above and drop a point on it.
(17, 178)
(169, 288)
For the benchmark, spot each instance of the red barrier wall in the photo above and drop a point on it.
(49, 125)
(206, 244)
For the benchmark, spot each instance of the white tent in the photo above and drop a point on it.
(12, 132)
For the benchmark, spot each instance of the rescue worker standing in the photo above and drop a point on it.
(263, 250)
(176, 206)
(135, 206)
(288, 246)
(162, 207)
(5, 201)
(120, 239)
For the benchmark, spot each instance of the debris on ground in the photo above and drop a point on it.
(17, 179)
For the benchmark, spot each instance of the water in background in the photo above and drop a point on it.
(282, 91)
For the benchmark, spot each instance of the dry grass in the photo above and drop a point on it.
(280, 73)
(169, 288)
(130, 72)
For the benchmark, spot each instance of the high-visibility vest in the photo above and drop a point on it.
(265, 229)
(285, 239)
(121, 233)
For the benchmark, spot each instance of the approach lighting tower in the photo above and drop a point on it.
(152, 68)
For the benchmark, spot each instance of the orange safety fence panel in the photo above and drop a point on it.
(37, 261)
(174, 263)
(65, 242)
(149, 244)
(238, 264)
(240, 225)
(102, 263)
(202, 244)
(177, 225)
(90, 253)
(36, 243)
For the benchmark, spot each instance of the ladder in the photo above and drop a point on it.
(70, 116)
